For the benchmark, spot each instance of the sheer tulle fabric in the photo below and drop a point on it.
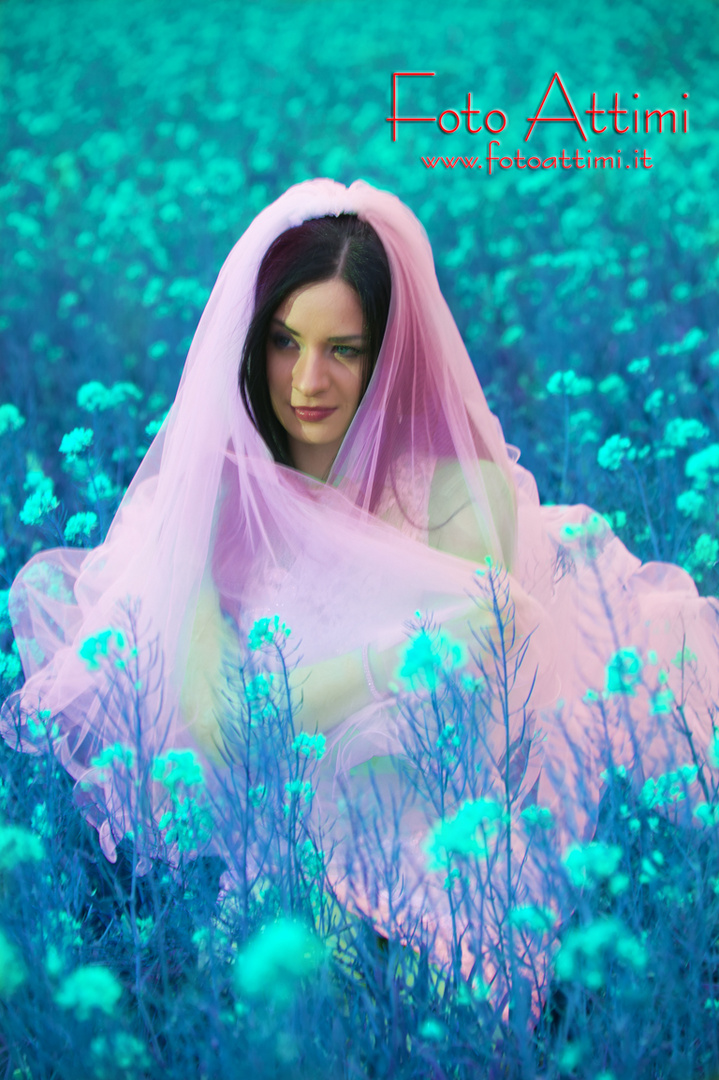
(348, 563)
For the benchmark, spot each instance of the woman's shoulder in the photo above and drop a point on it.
(450, 469)
(451, 489)
(456, 526)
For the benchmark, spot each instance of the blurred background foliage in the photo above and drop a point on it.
(140, 139)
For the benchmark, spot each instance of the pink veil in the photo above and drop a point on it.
(208, 499)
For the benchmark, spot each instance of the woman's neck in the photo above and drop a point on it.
(313, 460)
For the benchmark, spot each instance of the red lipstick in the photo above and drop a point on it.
(311, 414)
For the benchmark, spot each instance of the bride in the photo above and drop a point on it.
(330, 459)
(321, 307)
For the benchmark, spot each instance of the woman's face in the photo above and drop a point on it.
(315, 353)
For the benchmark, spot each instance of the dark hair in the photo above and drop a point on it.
(317, 250)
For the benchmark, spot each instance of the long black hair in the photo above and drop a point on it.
(320, 249)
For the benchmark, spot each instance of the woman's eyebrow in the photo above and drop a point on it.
(284, 325)
(335, 337)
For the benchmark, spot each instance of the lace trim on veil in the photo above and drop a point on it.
(406, 505)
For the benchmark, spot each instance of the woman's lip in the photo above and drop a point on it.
(303, 413)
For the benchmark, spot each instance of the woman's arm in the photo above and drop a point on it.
(199, 701)
(331, 690)
(334, 689)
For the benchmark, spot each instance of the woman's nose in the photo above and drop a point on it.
(310, 374)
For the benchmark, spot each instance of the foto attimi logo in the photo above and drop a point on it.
(615, 120)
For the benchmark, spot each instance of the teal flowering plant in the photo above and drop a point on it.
(43, 727)
(187, 823)
(89, 988)
(614, 451)
(19, 845)
(277, 959)
(264, 632)
(569, 383)
(587, 538)
(10, 668)
(101, 645)
(591, 325)
(467, 832)
(587, 951)
(80, 526)
(669, 787)
(119, 1052)
(75, 443)
(11, 419)
(538, 816)
(12, 969)
(592, 863)
(259, 689)
(117, 756)
(96, 397)
(624, 672)
(427, 654)
(41, 502)
(310, 744)
(538, 920)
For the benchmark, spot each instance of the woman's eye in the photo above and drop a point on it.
(348, 352)
(281, 341)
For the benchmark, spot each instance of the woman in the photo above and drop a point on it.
(330, 458)
(321, 306)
